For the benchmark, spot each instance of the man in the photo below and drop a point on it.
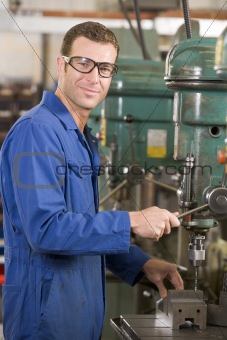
(57, 244)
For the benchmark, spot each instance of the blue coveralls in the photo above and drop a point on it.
(57, 244)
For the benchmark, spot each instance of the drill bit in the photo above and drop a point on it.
(196, 279)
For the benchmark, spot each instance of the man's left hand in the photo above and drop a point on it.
(157, 270)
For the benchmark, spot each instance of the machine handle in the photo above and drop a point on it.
(192, 211)
(104, 199)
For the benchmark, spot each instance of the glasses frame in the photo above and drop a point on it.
(69, 59)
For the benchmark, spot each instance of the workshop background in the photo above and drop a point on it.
(138, 123)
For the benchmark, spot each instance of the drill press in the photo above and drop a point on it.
(200, 124)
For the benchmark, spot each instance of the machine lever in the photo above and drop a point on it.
(121, 185)
(192, 211)
(161, 184)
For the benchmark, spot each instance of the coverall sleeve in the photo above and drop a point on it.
(31, 155)
(128, 266)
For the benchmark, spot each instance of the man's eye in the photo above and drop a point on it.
(84, 64)
(106, 68)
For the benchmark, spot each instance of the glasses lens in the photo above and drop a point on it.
(107, 70)
(86, 65)
(82, 64)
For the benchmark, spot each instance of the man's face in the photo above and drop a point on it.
(80, 91)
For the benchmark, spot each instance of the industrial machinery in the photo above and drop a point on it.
(200, 107)
(200, 132)
(199, 116)
(136, 147)
(200, 126)
(137, 127)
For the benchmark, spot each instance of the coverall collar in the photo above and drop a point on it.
(59, 109)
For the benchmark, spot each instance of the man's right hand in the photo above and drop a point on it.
(153, 222)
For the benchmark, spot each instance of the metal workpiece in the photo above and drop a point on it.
(185, 305)
(184, 316)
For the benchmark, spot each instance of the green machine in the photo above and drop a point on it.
(221, 56)
(200, 105)
(137, 127)
(136, 135)
(137, 123)
(221, 70)
(199, 116)
(137, 130)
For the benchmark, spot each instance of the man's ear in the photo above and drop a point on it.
(60, 65)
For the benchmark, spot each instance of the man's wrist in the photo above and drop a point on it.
(133, 216)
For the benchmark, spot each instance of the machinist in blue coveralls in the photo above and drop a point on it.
(57, 244)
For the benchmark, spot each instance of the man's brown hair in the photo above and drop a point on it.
(91, 30)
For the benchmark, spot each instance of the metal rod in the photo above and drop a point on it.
(224, 177)
(141, 36)
(189, 163)
(131, 143)
(104, 199)
(164, 185)
(187, 19)
(124, 10)
(192, 211)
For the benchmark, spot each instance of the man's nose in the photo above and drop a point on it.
(94, 74)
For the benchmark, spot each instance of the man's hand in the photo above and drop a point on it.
(157, 270)
(153, 222)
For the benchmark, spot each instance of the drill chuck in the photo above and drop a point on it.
(196, 251)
